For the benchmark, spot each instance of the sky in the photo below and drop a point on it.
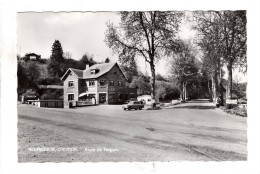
(79, 33)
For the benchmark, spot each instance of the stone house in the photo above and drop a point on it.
(103, 82)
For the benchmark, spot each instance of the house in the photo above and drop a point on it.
(103, 82)
(32, 56)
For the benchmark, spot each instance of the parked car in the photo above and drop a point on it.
(131, 99)
(133, 105)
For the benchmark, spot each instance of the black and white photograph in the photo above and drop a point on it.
(149, 87)
(132, 86)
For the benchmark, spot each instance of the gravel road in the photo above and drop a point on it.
(194, 131)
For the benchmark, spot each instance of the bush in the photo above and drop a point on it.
(52, 94)
(235, 111)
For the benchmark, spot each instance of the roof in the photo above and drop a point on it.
(50, 86)
(79, 73)
(32, 54)
(103, 68)
(86, 74)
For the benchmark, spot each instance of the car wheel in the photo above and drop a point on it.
(135, 108)
(124, 108)
(140, 108)
(129, 108)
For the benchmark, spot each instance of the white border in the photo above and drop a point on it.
(8, 134)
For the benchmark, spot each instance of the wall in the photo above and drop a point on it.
(51, 104)
(116, 90)
(73, 90)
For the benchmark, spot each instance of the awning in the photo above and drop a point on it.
(82, 94)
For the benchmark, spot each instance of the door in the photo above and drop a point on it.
(102, 98)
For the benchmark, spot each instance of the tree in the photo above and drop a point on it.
(239, 88)
(129, 68)
(160, 77)
(107, 60)
(209, 41)
(88, 59)
(22, 79)
(184, 67)
(56, 66)
(67, 55)
(141, 82)
(31, 93)
(233, 25)
(226, 33)
(33, 73)
(160, 91)
(149, 35)
(52, 94)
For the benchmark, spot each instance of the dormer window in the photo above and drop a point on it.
(94, 71)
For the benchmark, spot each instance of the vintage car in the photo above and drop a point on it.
(133, 105)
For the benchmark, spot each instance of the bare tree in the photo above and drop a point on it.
(67, 55)
(149, 35)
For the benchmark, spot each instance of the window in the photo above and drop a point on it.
(92, 71)
(91, 83)
(120, 84)
(102, 82)
(90, 96)
(46, 104)
(111, 97)
(70, 97)
(114, 72)
(71, 84)
(111, 83)
(56, 104)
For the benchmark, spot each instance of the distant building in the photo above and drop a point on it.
(103, 82)
(32, 56)
(147, 99)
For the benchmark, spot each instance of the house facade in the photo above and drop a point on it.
(103, 82)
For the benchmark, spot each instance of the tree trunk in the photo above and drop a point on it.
(230, 86)
(210, 91)
(214, 96)
(181, 92)
(152, 82)
(184, 91)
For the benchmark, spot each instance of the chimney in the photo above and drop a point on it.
(87, 66)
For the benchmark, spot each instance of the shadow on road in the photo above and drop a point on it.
(194, 107)
(199, 101)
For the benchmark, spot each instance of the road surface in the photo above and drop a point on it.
(194, 131)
